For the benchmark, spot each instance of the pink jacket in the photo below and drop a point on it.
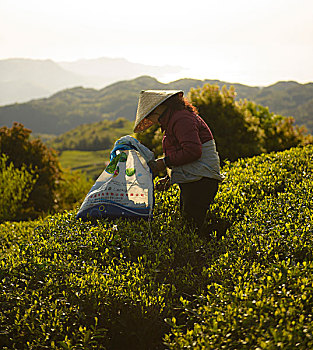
(185, 132)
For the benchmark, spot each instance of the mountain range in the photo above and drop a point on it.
(23, 79)
(69, 108)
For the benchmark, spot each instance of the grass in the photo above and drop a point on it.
(91, 163)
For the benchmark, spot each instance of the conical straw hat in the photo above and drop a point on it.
(148, 101)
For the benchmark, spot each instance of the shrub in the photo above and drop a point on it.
(259, 289)
(71, 190)
(15, 143)
(122, 284)
(15, 187)
(277, 133)
(55, 189)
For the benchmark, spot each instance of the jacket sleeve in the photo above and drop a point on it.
(186, 130)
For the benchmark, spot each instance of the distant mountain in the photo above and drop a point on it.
(104, 71)
(25, 79)
(72, 107)
(20, 91)
(22, 80)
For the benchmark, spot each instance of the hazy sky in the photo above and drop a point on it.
(256, 42)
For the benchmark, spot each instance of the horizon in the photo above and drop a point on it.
(247, 42)
(163, 78)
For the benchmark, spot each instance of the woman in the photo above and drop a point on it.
(188, 146)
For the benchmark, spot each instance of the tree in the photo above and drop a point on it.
(37, 159)
(235, 132)
(277, 132)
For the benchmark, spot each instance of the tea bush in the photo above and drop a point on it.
(68, 284)
(15, 188)
(259, 291)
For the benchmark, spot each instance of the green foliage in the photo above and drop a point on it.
(15, 187)
(68, 284)
(259, 289)
(33, 182)
(72, 189)
(93, 137)
(15, 143)
(276, 132)
(233, 132)
(244, 129)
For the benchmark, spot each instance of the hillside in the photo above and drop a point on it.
(289, 99)
(122, 284)
(23, 79)
(70, 108)
(92, 137)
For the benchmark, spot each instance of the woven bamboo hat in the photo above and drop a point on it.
(148, 101)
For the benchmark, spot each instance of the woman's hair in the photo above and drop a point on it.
(177, 103)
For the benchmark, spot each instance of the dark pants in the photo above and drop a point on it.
(195, 198)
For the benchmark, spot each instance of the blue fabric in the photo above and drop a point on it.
(120, 147)
(128, 142)
(113, 210)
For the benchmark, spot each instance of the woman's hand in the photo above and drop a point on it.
(163, 184)
(157, 166)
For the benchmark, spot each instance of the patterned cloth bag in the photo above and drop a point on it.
(125, 187)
